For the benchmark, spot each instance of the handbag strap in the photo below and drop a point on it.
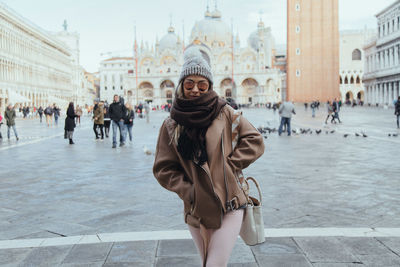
(258, 187)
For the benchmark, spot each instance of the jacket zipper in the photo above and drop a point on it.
(215, 194)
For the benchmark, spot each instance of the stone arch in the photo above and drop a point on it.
(360, 95)
(349, 96)
(167, 60)
(167, 84)
(250, 86)
(146, 85)
(356, 54)
(270, 84)
(227, 84)
(352, 80)
(358, 80)
(340, 80)
(168, 95)
(346, 81)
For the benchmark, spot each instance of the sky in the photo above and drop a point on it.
(108, 25)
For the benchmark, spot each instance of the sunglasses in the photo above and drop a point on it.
(202, 85)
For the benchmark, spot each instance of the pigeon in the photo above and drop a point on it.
(364, 135)
(332, 131)
(326, 132)
(345, 135)
(318, 131)
(395, 135)
(357, 134)
(389, 135)
(146, 150)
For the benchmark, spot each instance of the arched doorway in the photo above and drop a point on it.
(228, 88)
(146, 92)
(349, 96)
(360, 96)
(250, 90)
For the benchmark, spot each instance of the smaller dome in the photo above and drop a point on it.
(261, 24)
(216, 14)
(169, 41)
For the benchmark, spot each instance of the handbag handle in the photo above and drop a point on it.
(257, 185)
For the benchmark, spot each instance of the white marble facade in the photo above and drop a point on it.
(382, 59)
(255, 81)
(352, 64)
(36, 67)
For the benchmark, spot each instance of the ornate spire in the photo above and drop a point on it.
(65, 25)
(170, 28)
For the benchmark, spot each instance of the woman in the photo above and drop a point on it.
(107, 120)
(98, 116)
(330, 111)
(70, 122)
(130, 116)
(195, 159)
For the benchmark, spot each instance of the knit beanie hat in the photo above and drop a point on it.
(196, 62)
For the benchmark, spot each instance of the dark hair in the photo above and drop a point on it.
(71, 104)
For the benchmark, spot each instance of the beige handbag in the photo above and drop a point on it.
(252, 231)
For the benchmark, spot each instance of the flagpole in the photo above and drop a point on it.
(136, 70)
(233, 56)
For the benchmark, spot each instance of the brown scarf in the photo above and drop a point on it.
(196, 115)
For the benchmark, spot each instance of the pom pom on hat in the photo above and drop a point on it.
(196, 62)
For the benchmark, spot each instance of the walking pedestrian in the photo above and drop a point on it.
(70, 122)
(78, 113)
(40, 111)
(147, 110)
(117, 111)
(48, 112)
(195, 159)
(56, 112)
(107, 120)
(336, 108)
(1, 123)
(313, 107)
(130, 116)
(98, 113)
(286, 109)
(10, 116)
(330, 111)
(397, 111)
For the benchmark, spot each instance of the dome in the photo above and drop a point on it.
(211, 29)
(169, 41)
(261, 34)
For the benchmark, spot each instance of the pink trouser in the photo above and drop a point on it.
(222, 240)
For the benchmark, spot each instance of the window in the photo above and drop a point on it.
(340, 80)
(105, 87)
(148, 70)
(168, 70)
(226, 68)
(356, 55)
(121, 88)
(297, 51)
(297, 29)
(346, 81)
(297, 7)
(351, 80)
(113, 87)
(298, 73)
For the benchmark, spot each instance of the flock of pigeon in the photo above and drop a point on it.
(267, 130)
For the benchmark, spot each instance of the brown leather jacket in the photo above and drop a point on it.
(202, 188)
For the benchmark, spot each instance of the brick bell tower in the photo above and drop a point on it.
(312, 50)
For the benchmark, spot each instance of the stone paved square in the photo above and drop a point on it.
(51, 189)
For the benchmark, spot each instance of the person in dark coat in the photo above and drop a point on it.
(70, 122)
(40, 111)
(397, 111)
(130, 116)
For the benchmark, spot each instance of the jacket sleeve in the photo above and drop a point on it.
(167, 169)
(249, 148)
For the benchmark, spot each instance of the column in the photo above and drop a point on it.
(390, 95)
(396, 55)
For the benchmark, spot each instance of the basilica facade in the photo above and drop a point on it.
(247, 74)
